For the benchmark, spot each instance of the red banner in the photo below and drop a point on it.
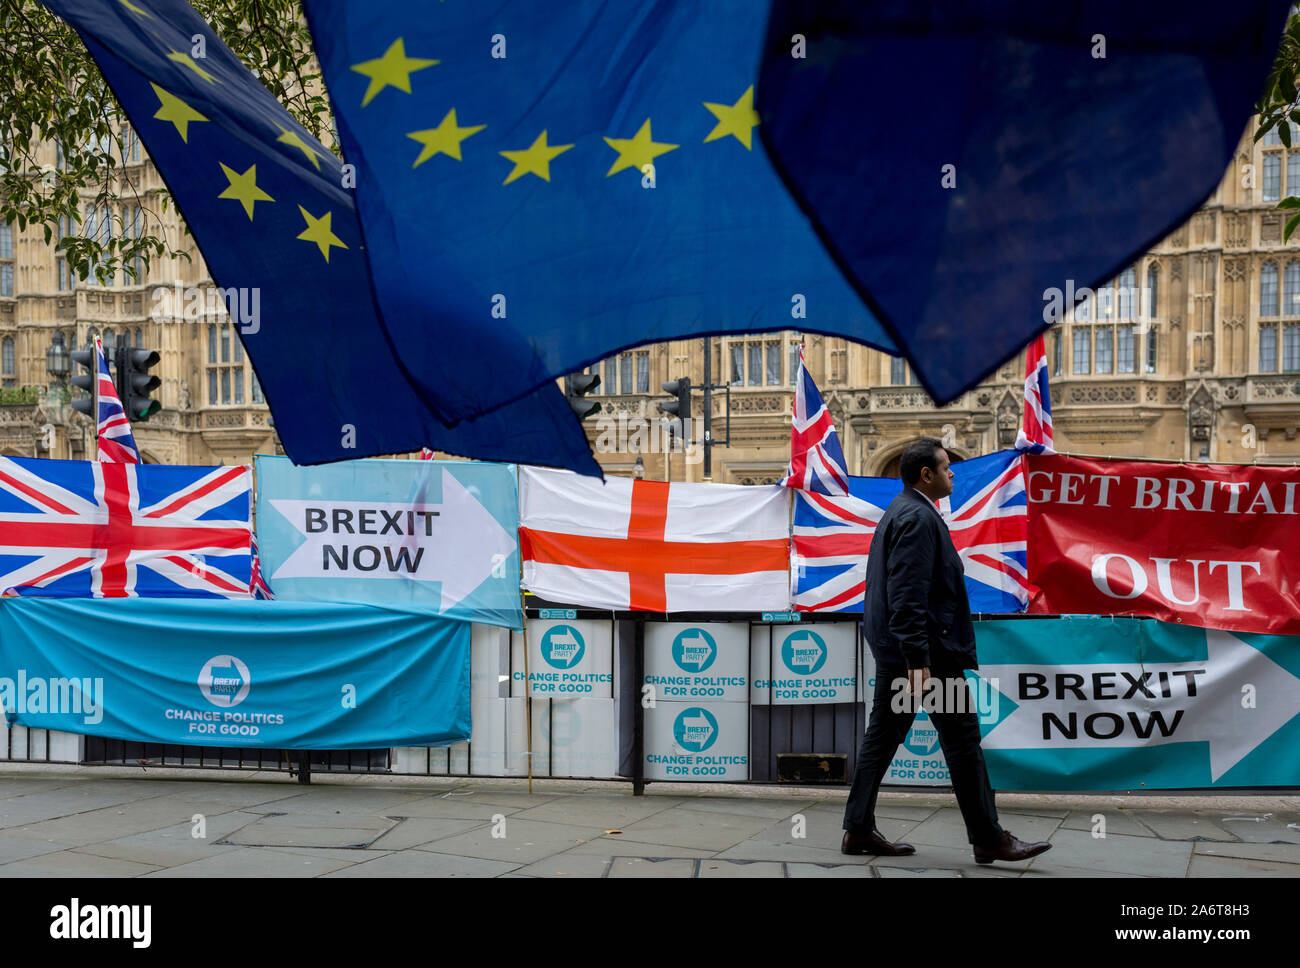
(1203, 544)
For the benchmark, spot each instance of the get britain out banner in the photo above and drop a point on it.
(277, 675)
(1202, 544)
(1096, 703)
(441, 536)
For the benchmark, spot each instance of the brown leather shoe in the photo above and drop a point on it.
(873, 843)
(1009, 848)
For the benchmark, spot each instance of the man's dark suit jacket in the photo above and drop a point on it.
(916, 612)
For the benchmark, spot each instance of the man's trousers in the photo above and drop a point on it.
(959, 736)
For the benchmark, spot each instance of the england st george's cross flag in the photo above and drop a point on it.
(652, 546)
(72, 529)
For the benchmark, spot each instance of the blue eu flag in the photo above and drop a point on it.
(542, 184)
(278, 227)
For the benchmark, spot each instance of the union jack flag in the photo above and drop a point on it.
(1035, 435)
(257, 584)
(116, 442)
(83, 529)
(816, 458)
(986, 516)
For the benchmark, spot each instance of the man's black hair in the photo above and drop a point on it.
(919, 454)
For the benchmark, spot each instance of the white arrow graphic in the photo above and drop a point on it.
(696, 651)
(808, 654)
(696, 730)
(1204, 703)
(563, 646)
(458, 547)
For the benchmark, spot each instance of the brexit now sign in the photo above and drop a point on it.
(441, 536)
(1095, 703)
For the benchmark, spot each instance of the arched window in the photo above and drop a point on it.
(1291, 290)
(108, 344)
(139, 342)
(90, 338)
(1153, 291)
(1127, 293)
(1268, 290)
(7, 357)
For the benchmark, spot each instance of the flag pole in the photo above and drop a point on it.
(528, 688)
(94, 395)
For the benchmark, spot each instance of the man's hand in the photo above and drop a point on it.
(916, 680)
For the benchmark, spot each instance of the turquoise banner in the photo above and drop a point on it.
(1092, 703)
(438, 536)
(282, 675)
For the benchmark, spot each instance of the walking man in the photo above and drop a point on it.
(917, 622)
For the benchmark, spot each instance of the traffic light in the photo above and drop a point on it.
(680, 408)
(576, 385)
(85, 381)
(135, 382)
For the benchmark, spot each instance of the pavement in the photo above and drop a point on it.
(60, 821)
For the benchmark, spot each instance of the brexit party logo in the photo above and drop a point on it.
(803, 652)
(562, 646)
(694, 650)
(922, 739)
(224, 681)
(695, 729)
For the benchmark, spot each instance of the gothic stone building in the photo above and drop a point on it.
(1194, 355)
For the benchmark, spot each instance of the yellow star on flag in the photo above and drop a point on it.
(318, 230)
(394, 69)
(173, 109)
(188, 61)
(445, 138)
(739, 119)
(243, 188)
(134, 9)
(534, 160)
(637, 152)
(292, 139)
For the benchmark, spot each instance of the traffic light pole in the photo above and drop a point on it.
(709, 442)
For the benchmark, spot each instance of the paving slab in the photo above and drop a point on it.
(21, 786)
(825, 828)
(1071, 872)
(1119, 853)
(647, 867)
(64, 802)
(947, 829)
(315, 799)
(906, 872)
(1204, 865)
(414, 831)
(1269, 831)
(1117, 822)
(736, 868)
(254, 862)
(312, 830)
(419, 863)
(16, 846)
(525, 841)
(931, 856)
(771, 809)
(453, 807)
(617, 846)
(808, 854)
(567, 864)
(119, 820)
(506, 798)
(1281, 853)
(74, 863)
(705, 829)
(602, 811)
(904, 811)
(1182, 825)
(823, 870)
